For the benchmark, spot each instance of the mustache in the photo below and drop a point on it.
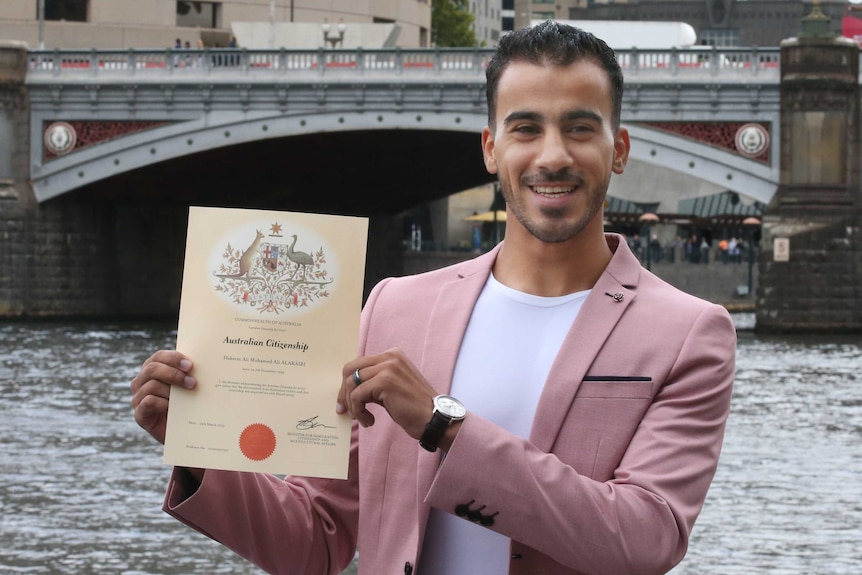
(563, 176)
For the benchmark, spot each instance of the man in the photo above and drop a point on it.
(596, 395)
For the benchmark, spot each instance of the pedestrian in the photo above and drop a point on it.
(678, 249)
(178, 45)
(591, 395)
(704, 251)
(636, 246)
(200, 48)
(733, 250)
(232, 45)
(692, 249)
(655, 249)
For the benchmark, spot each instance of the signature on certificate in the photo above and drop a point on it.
(311, 423)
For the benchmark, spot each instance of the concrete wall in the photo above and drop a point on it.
(85, 257)
(309, 35)
(817, 289)
(121, 24)
(54, 259)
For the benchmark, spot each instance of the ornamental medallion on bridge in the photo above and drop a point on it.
(267, 273)
(60, 138)
(751, 140)
(744, 138)
(64, 137)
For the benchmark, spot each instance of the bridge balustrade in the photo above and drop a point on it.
(700, 61)
(690, 62)
(191, 62)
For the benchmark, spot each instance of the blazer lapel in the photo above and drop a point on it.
(446, 326)
(448, 320)
(603, 308)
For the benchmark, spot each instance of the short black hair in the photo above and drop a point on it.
(559, 45)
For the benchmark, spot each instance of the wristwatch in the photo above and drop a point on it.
(447, 409)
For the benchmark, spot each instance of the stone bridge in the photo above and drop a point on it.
(108, 120)
(103, 151)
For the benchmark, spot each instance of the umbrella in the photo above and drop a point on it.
(498, 215)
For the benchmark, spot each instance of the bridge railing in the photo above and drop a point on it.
(397, 62)
(193, 62)
(705, 60)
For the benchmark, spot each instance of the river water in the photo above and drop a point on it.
(81, 485)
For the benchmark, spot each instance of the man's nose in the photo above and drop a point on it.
(554, 155)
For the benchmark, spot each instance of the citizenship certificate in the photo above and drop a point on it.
(269, 314)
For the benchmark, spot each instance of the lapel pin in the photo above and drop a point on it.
(618, 297)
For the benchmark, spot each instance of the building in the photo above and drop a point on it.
(508, 15)
(122, 24)
(717, 22)
(487, 20)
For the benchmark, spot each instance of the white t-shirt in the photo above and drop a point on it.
(508, 349)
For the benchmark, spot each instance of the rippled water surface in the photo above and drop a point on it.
(81, 485)
(787, 498)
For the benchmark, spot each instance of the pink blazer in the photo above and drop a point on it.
(624, 443)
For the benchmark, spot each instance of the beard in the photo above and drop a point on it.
(556, 225)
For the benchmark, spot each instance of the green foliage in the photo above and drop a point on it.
(450, 24)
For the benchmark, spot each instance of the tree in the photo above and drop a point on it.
(450, 24)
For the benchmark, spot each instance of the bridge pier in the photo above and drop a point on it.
(814, 286)
(17, 202)
(57, 258)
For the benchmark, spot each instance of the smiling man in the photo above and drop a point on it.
(591, 396)
(554, 140)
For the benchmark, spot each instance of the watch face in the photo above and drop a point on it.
(450, 406)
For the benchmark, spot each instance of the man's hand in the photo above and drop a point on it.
(391, 380)
(151, 389)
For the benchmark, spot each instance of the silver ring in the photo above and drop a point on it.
(356, 379)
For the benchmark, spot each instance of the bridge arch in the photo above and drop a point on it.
(217, 130)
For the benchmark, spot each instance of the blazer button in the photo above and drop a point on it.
(488, 520)
(463, 509)
(408, 568)
(475, 515)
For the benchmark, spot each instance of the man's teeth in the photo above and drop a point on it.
(552, 191)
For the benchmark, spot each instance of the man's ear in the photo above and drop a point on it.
(622, 145)
(488, 150)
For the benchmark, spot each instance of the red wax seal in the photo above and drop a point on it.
(257, 441)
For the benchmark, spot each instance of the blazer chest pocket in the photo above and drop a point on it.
(616, 387)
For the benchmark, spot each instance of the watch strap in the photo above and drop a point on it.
(434, 431)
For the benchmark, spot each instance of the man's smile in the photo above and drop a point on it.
(553, 191)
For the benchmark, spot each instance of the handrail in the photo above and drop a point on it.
(391, 62)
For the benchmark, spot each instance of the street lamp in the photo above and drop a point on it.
(648, 219)
(750, 223)
(333, 40)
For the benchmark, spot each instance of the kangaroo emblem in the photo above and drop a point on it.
(246, 259)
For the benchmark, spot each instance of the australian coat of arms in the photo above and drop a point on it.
(271, 275)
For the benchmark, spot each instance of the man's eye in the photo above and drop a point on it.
(526, 129)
